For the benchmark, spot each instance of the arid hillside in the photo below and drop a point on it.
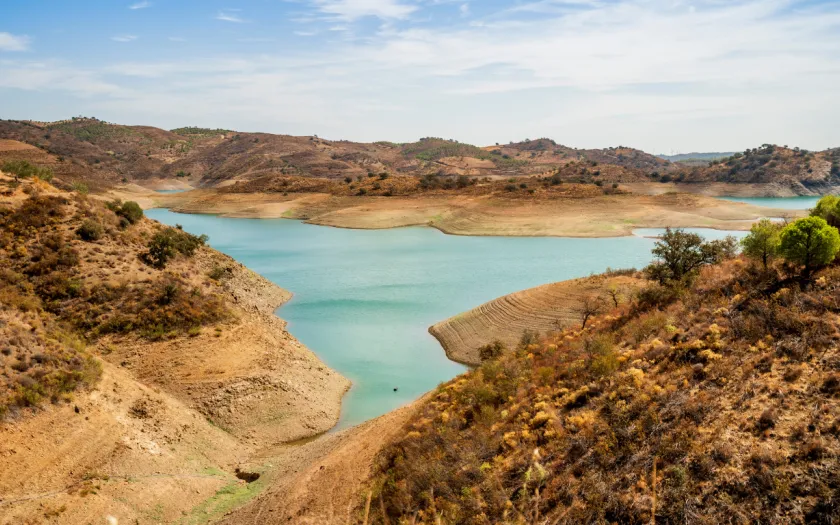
(140, 370)
(712, 402)
(770, 164)
(105, 153)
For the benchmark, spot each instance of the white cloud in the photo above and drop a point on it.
(140, 5)
(355, 9)
(177, 39)
(228, 15)
(47, 76)
(124, 38)
(10, 42)
(647, 73)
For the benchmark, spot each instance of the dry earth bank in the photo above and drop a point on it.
(597, 216)
(541, 309)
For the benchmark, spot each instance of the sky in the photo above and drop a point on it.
(666, 76)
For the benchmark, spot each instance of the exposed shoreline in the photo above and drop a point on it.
(539, 309)
(596, 217)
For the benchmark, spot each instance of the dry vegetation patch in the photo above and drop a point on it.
(717, 404)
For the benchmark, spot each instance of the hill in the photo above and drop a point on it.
(717, 404)
(770, 164)
(696, 156)
(140, 370)
(105, 154)
(112, 153)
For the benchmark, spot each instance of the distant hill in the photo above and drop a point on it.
(769, 164)
(104, 153)
(696, 156)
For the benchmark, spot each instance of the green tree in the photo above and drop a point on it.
(810, 242)
(680, 255)
(763, 241)
(828, 208)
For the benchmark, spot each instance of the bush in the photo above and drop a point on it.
(828, 208)
(809, 242)
(131, 211)
(90, 230)
(169, 242)
(492, 350)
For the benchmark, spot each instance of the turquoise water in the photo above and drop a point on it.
(788, 203)
(364, 299)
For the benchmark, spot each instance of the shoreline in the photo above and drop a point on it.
(610, 216)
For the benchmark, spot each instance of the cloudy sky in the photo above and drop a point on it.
(661, 75)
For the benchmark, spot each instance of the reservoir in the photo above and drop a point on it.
(364, 299)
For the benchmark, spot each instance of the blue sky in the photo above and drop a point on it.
(661, 75)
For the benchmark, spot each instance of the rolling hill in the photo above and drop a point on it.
(106, 154)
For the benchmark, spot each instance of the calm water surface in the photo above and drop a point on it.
(788, 203)
(364, 299)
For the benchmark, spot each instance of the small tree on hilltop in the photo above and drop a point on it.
(680, 255)
(763, 241)
(809, 242)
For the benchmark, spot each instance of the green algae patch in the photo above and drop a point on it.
(233, 495)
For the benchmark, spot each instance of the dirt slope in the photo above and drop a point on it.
(157, 435)
(541, 309)
(321, 482)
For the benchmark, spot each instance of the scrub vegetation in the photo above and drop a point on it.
(71, 271)
(711, 396)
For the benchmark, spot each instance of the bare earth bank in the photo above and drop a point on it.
(603, 216)
(160, 437)
(543, 308)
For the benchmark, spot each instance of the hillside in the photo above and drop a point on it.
(140, 369)
(719, 404)
(770, 164)
(547, 152)
(112, 153)
(104, 155)
(696, 156)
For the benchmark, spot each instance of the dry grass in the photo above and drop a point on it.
(695, 388)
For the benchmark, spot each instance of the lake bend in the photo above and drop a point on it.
(364, 299)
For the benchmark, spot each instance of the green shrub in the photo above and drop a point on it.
(680, 255)
(24, 169)
(131, 211)
(90, 230)
(169, 242)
